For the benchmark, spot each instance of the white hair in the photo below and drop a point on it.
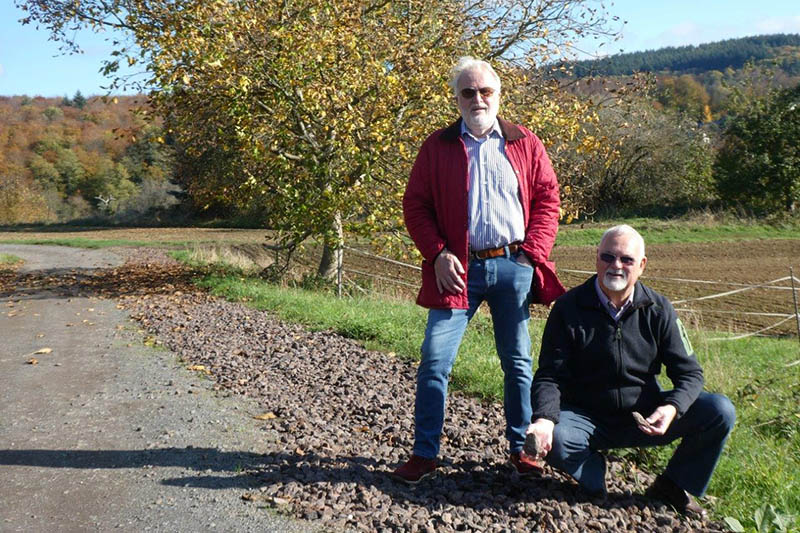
(470, 63)
(623, 229)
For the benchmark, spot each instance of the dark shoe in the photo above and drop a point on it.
(414, 470)
(664, 489)
(525, 465)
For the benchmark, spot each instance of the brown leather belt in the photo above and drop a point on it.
(495, 252)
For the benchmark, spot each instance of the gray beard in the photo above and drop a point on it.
(615, 284)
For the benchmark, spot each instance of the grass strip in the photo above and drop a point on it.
(8, 259)
(79, 242)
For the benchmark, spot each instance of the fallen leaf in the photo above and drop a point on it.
(199, 368)
(266, 416)
(33, 361)
(42, 350)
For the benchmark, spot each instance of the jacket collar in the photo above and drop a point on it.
(510, 131)
(587, 295)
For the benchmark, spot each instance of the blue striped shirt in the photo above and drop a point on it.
(495, 210)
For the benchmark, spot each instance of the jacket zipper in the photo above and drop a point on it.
(618, 337)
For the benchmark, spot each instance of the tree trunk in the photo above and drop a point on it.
(331, 262)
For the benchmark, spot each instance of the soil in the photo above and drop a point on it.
(239, 414)
(682, 272)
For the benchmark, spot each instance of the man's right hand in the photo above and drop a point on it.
(542, 429)
(448, 271)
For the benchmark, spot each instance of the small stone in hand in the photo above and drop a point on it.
(531, 446)
(640, 420)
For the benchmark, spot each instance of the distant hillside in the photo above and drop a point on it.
(63, 158)
(784, 49)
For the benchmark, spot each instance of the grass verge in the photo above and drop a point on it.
(8, 259)
(761, 464)
(79, 242)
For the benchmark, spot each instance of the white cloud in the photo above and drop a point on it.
(687, 32)
(779, 25)
(2, 70)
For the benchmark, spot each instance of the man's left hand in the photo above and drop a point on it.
(660, 420)
(522, 259)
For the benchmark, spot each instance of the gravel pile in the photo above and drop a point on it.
(345, 419)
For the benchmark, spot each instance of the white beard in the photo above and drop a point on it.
(481, 122)
(614, 283)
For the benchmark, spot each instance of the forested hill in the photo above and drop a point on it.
(784, 49)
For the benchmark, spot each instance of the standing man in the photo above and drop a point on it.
(603, 346)
(482, 207)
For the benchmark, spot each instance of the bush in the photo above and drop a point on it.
(758, 165)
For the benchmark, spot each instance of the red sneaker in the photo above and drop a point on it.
(525, 465)
(414, 470)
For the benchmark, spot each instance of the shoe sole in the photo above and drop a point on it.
(536, 472)
(410, 482)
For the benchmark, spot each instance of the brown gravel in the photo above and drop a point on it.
(345, 416)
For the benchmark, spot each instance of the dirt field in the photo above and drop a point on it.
(683, 272)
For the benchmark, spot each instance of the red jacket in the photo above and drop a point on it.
(435, 208)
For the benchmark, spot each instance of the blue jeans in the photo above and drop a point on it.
(505, 285)
(703, 430)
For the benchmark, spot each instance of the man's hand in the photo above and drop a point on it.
(448, 271)
(522, 259)
(658, 423)
(542, 431)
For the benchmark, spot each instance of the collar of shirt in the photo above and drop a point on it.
(608, 305)
(495, 130)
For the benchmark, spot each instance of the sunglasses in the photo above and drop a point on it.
(624, 259)
(469, 92)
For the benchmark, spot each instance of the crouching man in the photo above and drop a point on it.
(603, 346)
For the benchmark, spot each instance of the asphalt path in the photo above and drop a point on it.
(101, 432)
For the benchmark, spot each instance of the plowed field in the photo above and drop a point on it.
(729, 287)
(736, 280)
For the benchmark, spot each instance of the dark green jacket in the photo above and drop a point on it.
(589, 361)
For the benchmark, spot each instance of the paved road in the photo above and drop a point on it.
(105, 433)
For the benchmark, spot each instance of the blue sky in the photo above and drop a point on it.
(30, 64)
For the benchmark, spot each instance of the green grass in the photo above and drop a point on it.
(8, 259)
(761, 463)
(679, 231)
(79, 242)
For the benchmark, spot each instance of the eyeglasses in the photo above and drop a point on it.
(624, 259)
(469, 92)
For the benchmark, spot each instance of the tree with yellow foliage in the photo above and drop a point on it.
(313, 110)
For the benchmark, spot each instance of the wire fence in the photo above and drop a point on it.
(739, 310)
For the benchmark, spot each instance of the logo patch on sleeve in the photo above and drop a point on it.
(685, 338)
